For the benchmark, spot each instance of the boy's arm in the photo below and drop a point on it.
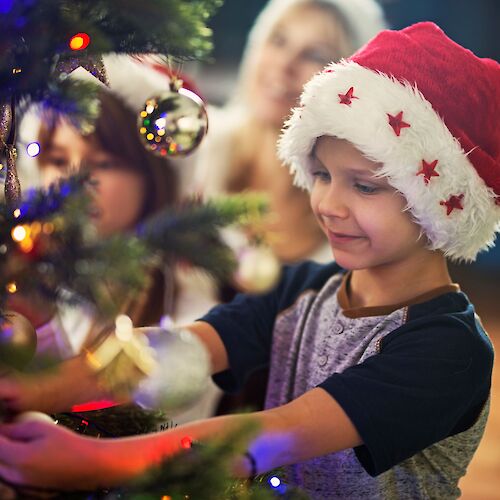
(73, 381)
(47, 456)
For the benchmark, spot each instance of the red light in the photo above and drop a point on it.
(186, 442)
(79, 41)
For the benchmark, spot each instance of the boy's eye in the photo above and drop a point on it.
(321, 175)
(365, 189)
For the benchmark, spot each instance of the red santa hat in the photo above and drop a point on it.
(427, 109)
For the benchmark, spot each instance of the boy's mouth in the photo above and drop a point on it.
(340, 238)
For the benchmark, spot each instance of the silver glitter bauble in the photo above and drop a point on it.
(173, 123)
(182, 371)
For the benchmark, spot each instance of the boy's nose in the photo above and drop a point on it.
(333, 205)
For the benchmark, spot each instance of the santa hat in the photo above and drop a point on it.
(427, 109)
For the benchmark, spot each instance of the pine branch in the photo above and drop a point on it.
(35, 35)
(191, 233)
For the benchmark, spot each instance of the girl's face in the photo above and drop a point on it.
(305, 39)
(118, 190)
(362, 216)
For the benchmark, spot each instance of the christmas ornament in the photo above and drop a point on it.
(182, 372)
(17, 340)
(33, 416)
(258, 269)
(161, 368)
(173, 123)
(123, 359)
(12, 185)
(5, 124)
(94, 65)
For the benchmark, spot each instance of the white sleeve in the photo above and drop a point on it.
(64, 335)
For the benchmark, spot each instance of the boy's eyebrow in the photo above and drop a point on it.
(354, 170)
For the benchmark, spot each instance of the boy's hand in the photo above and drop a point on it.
(44, 455)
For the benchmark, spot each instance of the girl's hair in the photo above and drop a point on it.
(116, 132)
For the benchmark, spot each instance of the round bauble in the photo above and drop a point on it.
(173, 123)
(258, 269)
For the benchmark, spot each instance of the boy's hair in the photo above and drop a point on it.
(427, 109)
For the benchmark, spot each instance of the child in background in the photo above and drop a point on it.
(129, 184)
(380, 368)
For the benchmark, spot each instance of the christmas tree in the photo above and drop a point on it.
(46, 246)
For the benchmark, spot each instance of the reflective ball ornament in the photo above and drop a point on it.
(17, 340)
(258, 269)
(173, 123)
(182, 371)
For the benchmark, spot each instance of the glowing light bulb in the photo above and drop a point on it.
(274, 481)
(33, 149)
(18, 233)
(79, 41)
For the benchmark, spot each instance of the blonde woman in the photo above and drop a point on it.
(290, 41)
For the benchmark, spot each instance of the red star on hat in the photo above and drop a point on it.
(347, 97)
(453, 202)
(397, 123)
(428, 170)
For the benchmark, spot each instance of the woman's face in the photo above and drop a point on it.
(118, 190)
(303, 41)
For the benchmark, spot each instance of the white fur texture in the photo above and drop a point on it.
(460, 235)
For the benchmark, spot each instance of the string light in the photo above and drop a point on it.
(18, 233)
(186, 442)
(33, 149)
(80, 41)
(274, 481)
(16, 213)
(11, 287)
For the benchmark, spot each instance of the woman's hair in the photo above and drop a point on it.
(116, 133)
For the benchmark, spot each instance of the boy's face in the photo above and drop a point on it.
(362, 216)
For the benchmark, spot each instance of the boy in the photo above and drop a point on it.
(380, 369)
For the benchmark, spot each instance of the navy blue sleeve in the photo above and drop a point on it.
(246, 324)
(428, 382)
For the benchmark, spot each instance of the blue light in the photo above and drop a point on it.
(33, 149)
(6, 6)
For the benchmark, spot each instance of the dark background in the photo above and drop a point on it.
(472, 23)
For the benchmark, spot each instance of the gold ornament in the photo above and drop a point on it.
(123, 359)
(5, 124)
(17, 340)
(258, 269)
(12, 185)
(173, 123)
(159, 368)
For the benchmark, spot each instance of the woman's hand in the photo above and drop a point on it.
(44, 455)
